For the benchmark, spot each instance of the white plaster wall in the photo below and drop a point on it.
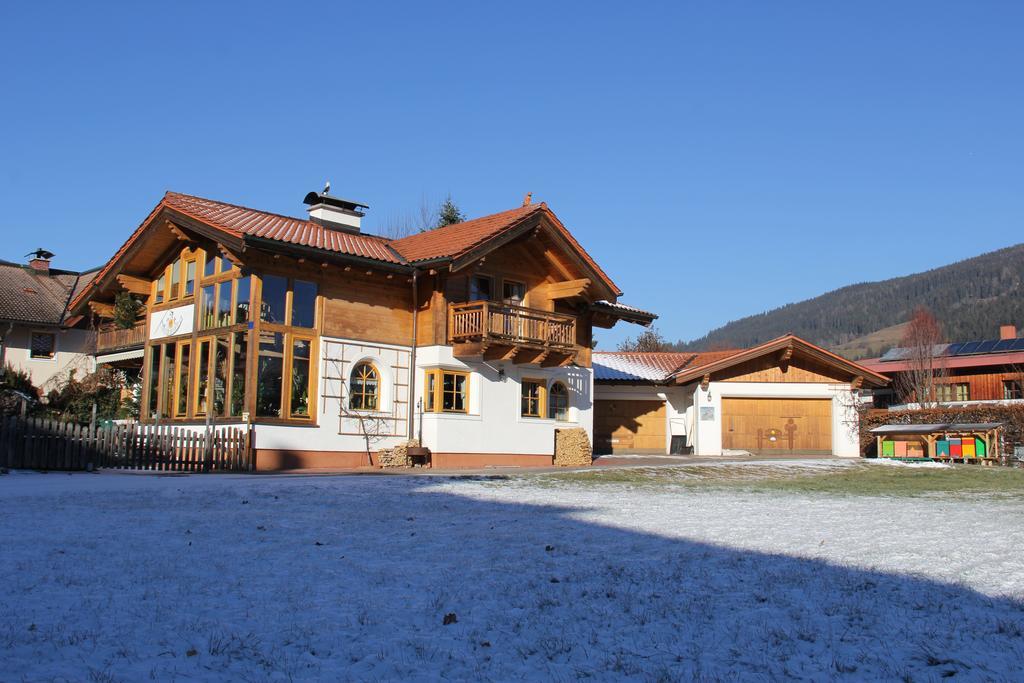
(73, 351)
(493, 424)
(334, 431)
(845, 439)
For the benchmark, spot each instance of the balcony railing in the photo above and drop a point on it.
(114, 340)
(489, 321)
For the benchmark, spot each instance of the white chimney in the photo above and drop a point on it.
(334, 212)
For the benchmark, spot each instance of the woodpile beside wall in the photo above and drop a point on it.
(1012, 417)
(572, 448)
(397, 456)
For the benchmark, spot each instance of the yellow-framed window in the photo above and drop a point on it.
(446, 391)
(364, 387)
(532, 393)
(300, 370)
(558, 402)
(203, 374)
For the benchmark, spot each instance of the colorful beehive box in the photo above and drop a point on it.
(901, 449)
(915, 449)
(888, 449)
(942, 448)
(967, 447)
(979, 448)
(955, 449)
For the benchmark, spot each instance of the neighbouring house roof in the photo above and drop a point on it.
(650, 366)
(470, 238)
(958, 355)
(38, 297)
(684, 367)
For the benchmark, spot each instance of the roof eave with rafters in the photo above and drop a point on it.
(687, 375)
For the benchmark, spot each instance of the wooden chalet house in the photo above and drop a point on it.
(475, 336)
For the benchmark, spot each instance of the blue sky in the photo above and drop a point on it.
(718, 158)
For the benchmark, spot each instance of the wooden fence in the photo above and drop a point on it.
(39, 444)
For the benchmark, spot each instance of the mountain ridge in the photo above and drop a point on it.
(970, 298)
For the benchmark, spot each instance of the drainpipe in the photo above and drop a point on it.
(412, 356)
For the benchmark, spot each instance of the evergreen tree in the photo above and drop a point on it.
(449, 213)
(126, 310)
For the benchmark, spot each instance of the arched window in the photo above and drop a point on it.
(364, 387)
(558, 402)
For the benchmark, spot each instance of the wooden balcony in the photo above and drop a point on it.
(497, 331)
(121, 340)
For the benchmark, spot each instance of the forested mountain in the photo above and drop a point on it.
(970, 298)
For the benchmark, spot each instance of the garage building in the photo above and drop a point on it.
(786, 396)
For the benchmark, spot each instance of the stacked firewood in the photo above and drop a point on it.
(572, 448)
(397, 456)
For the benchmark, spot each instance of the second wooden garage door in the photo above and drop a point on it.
(777, 425)
(629, 426)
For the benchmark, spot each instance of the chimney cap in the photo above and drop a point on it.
(314, 198)
(43, 255)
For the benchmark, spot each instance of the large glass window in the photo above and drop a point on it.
(190, 277)
(154, 380)
(513, 292)
(242, 298)
(303, 303)
(275, 294)
(364, 387)
(558, 402)
(220, 375)
(240, 343)
(299, 389)
(270, 369)
(207, 307)
(203, 377)
(181, 388)
(209, 265)
(225, 265)
(167, 379)
(175, 280)
(224, 303)
(161, 284)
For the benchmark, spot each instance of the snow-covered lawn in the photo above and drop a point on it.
(130, 577)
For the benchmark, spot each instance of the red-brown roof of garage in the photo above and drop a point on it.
(240, 220)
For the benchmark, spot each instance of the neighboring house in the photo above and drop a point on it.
(37, 334)
(986, 371)
(784, 396)
(476, 336)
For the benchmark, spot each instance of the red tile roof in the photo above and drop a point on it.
(453, 241)
(449, 242)
(239, 221)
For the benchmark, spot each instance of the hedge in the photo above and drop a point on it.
(1012, 417)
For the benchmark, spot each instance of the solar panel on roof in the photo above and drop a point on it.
(1018, 345)
(986, 346)
(953, 349)
(1003, 345)
(968, 348)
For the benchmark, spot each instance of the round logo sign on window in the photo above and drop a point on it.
(170, 324)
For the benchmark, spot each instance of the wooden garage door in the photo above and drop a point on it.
(777, 425)
(629, 426)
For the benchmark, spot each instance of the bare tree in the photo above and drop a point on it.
(649, 340)
(428, 215)
(922, 343)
